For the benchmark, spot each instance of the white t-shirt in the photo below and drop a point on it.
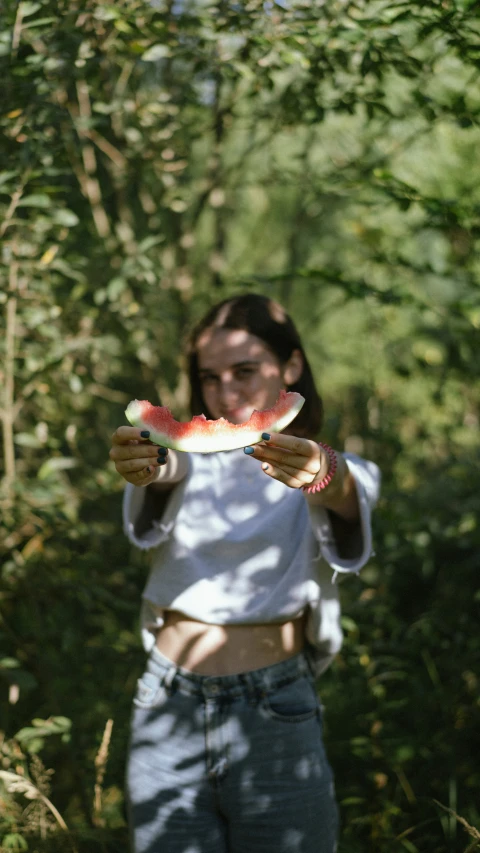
(235, 546)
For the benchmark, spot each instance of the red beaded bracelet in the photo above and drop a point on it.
(332, 467)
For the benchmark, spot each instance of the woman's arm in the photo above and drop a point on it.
(172, 473)
(158, 492)
(299, 462)
(142, 463)
(151, 473)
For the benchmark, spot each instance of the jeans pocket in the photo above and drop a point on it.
(150, 692)
(295, 702)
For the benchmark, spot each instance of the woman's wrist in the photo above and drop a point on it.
(326, 473)
(338, 495)
(159, 475)
(172, 472)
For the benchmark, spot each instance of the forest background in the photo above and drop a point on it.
(156, 157)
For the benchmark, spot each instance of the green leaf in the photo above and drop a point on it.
(40, 22)
(27, 439)
(157, 51)
(149, 242)
(5, 176)
(409, 846)
(78, 292)
(56, 463)
(100, 296)
(106, 13)
(76, 384)
(348, 624)
(67, 270)
(405, 752)
(9, 663)
(29, 8)
(35, 59)
(353, 801)
(115, 287)
(14, 841)
(32, 738)
(65, 217)
(106, 109)
(35, 200)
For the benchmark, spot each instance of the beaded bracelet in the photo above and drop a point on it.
(332, 467)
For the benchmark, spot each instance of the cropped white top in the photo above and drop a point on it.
(235, 546)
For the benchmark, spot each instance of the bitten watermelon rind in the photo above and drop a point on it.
(201, 435)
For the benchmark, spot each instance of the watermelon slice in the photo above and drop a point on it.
(201, 435)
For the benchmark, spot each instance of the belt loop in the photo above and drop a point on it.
(253, 692)
(263, 686)
(310, 668)
(169, 678)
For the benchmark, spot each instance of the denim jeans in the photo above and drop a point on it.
(229, 764)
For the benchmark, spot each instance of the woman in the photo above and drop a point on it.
(240, 614)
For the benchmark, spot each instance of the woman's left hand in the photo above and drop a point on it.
(294, 461)
(299, 462)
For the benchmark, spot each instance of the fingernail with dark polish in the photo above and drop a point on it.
(266, 436)
(145, 433)
(162, 451)
(248, 450)
(161, 460)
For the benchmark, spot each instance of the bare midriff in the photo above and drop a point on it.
(227, 649)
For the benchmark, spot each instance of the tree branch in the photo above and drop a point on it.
(7, 414)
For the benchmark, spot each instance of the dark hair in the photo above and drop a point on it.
(267, 320)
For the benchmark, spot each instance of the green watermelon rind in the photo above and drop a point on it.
(211, 436)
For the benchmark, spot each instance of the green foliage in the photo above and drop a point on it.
(32, 738)
(155, 158)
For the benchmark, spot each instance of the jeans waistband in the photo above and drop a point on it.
(256, 680)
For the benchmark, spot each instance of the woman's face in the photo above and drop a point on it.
(238, 373)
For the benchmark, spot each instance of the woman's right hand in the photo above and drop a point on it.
(135, 457)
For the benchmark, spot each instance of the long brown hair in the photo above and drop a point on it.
(267, 320)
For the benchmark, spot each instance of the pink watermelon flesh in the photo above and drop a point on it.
(201, 435)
